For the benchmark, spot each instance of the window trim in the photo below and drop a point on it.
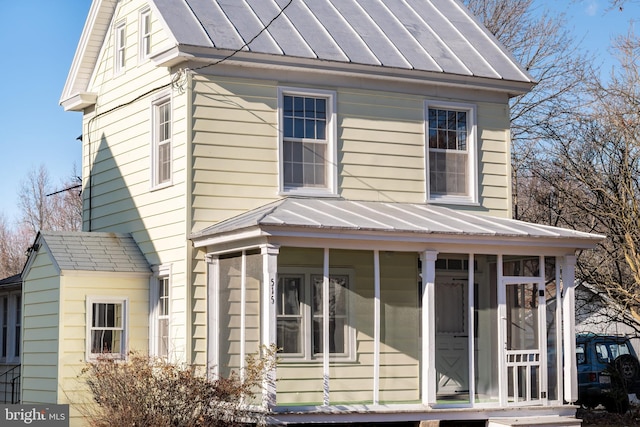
(331, 163)
(119, 47)
(144, 37)
(307, 355)
(472, 152)
(160, 272)
(156, 103)
(124, 345)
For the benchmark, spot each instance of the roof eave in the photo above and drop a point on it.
(315, 233)
(79, 101)
(203, 55)
(93, 33)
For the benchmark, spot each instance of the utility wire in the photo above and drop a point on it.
(174, 80)
(247, 43)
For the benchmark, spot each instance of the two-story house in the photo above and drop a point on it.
(331, 176)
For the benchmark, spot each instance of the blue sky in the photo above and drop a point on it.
(39, 38)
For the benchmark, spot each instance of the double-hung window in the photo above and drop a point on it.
(160, 312)
(120, 47)
(451, 146)
(106, 327)
(307, 145)
(300, 316)
(162, 151)
(145, 33)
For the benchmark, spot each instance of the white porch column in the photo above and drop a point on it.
(569, 328)
(325, 330)
(376, 327)
(428, 327)
(269, 294)
(213, 310)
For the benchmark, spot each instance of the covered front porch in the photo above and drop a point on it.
(395, 312)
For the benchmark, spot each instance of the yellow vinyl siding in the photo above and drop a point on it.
(234, 147)
(381, 146)
(494, 159)
(40, 340)
(117, 156)
(75, 290)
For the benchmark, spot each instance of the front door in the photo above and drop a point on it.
(525, 369)
(452, 340)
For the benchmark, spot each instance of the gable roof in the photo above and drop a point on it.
(92, 251)
(438, 37)
(355, 218)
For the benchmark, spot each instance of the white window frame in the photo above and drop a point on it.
(122, 353)
(156, 104)
(160, 273)
(13, 322)
(331, 168)
(144, 40)
(119, 47)
(307, 354)
(471, 198)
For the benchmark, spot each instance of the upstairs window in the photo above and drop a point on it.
(451, 153)
(162, 155)
(145, 33)
(120, 45)
(307, 142)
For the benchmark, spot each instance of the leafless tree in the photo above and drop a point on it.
(541, 43)
(589, 179)
(43, 206)
(48, 207)
(13, 243)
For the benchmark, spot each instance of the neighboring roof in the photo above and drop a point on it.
(14, 281)
(380, 217)
(435, 36)
(94, 251)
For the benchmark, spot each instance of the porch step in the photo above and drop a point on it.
(550, 421)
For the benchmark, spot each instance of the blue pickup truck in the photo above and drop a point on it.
(608, 371)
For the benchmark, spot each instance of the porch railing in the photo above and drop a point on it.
(523, 373)
(10, 385)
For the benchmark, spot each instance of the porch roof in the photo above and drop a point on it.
(322, 215)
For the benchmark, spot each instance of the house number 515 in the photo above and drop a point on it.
(273, 291)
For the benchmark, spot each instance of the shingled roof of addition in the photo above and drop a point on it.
(95, 251)
(427, 35)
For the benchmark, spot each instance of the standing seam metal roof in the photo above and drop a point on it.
(343, 214)
(428, 35)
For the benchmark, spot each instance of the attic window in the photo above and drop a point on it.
(120, 43)
(145, 33)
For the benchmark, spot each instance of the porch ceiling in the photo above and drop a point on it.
(352, 218)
